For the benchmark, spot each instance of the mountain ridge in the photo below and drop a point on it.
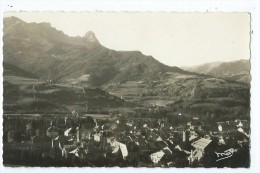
(61, 59)
(66, 67)
(53, 48)
(237, 70)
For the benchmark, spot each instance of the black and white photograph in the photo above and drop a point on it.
(126, 89)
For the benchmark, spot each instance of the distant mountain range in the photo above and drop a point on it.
(44, 63)
(233, 70)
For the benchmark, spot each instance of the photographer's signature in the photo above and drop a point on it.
(226, 154)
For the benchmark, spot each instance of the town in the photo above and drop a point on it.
(114, 139)
(76, 101)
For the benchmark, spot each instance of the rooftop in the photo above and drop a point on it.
(202, 143)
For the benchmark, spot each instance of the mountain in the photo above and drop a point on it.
(66, 67)
(11, 70)
(52, 55)
(234, 70)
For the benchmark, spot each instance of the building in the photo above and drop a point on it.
(202, 146)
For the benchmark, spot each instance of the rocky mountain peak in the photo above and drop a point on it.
(91, 37)
(10, 21)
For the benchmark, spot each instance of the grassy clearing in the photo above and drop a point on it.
(31, 95)
(158, 102)
(22, 80)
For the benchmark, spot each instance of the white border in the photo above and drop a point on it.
(155, 6)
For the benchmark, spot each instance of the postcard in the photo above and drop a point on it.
(140, 89)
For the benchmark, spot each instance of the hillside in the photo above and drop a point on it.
(62, 66)
(234, 70)
(25, 95)
(52, 55)
(11, 70)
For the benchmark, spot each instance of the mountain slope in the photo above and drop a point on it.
(78, 62)
(234, 70)
(51, 55)
(11, 70)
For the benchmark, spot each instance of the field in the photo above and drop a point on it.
(193, 96)
(29, 95)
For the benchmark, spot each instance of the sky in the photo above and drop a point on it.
(175, 39)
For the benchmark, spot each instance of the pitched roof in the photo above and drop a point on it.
(202, 143)
(185, 146)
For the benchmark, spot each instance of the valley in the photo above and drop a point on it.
(70, 101)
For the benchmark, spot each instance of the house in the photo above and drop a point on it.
(221, 140)
(189, 123)
(156, 157)
(129, 124)
(195, 118)
(202, 146)
(186, 147)
(185, 135)
(240, 124)
(220, 123)
(97, 137)
(220, 128)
